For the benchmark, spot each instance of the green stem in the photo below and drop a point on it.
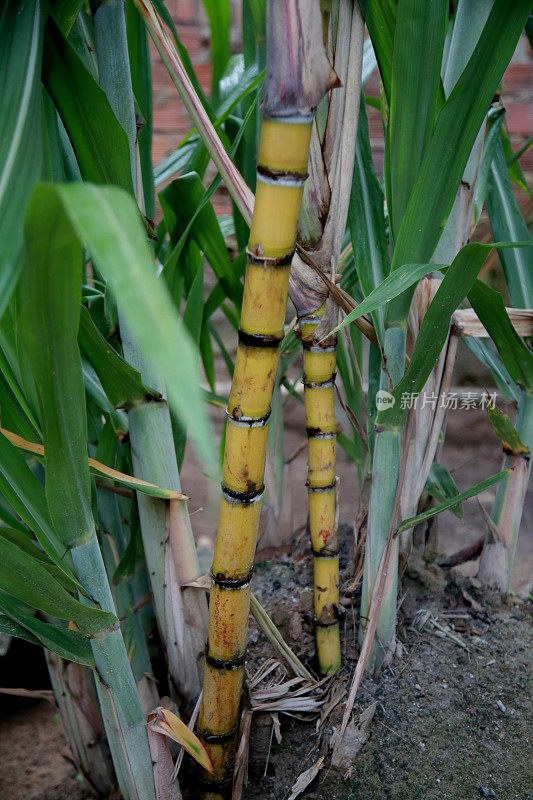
(385, 476)
(497, 558)
(117, 691)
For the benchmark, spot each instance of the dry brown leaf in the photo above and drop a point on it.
(347, 747)
(305, 778)
(35, 694)
(97, 468)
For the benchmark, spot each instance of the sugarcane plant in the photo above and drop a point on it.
(108, 310)
(298, 74)
(320, 234)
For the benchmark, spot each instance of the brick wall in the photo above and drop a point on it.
(171, 122)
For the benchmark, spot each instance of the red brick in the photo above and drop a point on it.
(519, 118)
(518, 80)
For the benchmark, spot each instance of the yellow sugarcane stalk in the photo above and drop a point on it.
(296, 80)
(319, 402)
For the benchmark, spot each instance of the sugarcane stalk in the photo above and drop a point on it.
(298, 74)
(321, 424)
(167, 534)
(327, 194)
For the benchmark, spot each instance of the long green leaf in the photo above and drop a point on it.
(380, 17)
(68, 215)
(68, 644)
(26, 543)
(141, 79)
(394, 284)
(366, 219)
(219, 16)
(99, 141)
(415, 91)
(507, 222)
(489, 306)
(501, 376)
(442, 486)
(24, 577)
(122, 383)
(472, 492)
(21, 33)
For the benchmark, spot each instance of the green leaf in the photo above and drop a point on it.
(122, 383)
(12, 628)
(366, 220)
(454, 133)
(49, 325)
(68, 644)
(13, 415)
(442, 486)
(489, 306)
(394, 284)
(67, 215)
(180, 202)
(507, 222)
(141, 79)
(503, 380)
(24, 577)
(98, 139)
(415, 91)
(25, 494)
(219, 16)
(495, 120)
(380, 18)
(472, 492)
(26, 543)
(513, 161)
(21, 33)
(505, 431)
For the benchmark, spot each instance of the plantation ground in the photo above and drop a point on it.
(438, 731)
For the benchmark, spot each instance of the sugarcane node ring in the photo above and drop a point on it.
(318, 433)
(206, 736)
(258, 339)
(322, 489)
(238, 418)
(324, 553)
(242, 497)
(265, 261)
(224, 665)
(326, 384)
(231, 584)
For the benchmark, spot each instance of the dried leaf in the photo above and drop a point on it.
(97, 468)
(348, 746)
(163, 721)
(35, 694)
(306, 777)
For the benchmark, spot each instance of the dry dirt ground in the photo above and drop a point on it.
(449, 722)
